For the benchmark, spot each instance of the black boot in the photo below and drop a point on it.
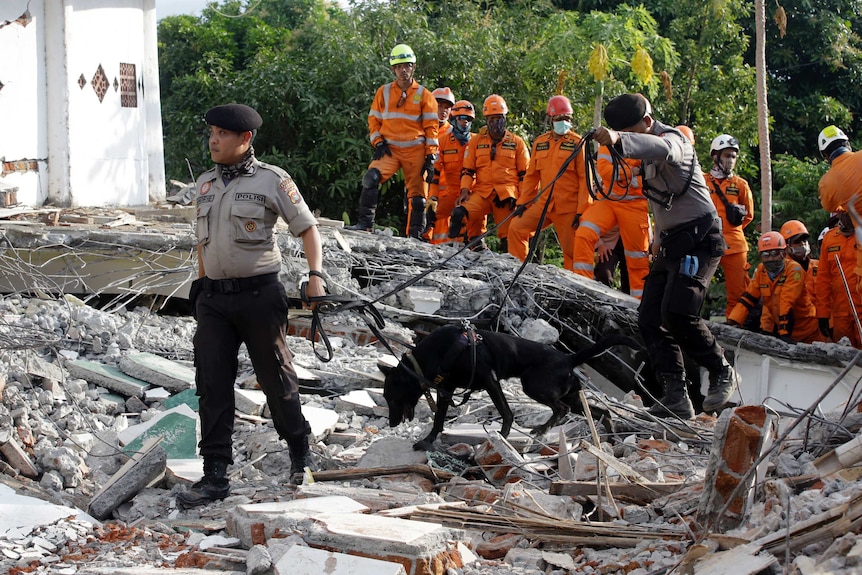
(416, 226)
(675, 401)
(456, 222)
(722, 384)
(298, 448)
(213, 486)
(367, 202)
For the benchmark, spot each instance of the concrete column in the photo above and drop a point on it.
(57, 113)
(152, 105)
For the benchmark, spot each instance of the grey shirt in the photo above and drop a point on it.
(235, 221)
(667, 162)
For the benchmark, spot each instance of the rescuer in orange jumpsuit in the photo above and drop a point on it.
(569, 196)
(831, 300)
(841, 186)
(796, 235)
(624, 206)
(788, 311)
(495, 163)
(445, 100)
(735, 206)
(446, 185)
(402, 127)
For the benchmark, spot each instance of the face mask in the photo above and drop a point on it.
(461, 134)
(773, 268)
(561, 127)
(497, 127)
(845, 224)
(800, 251)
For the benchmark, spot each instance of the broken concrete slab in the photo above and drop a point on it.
(20, 514)
(249, 401)
(360, 402)
(299, 560)
(322, 421)
(390, 452)
(141, 470)
(15, 455)
(416, 545)
(188, 397)
(157, 370)
(108, 377)
(374, 499)
(41, 368)
(477, 433)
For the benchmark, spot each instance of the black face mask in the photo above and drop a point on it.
(497, 128)
(774, 268)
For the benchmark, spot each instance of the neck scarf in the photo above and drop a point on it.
(245, 166)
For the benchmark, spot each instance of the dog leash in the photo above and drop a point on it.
(331, 303)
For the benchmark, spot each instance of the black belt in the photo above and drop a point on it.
(236, 285)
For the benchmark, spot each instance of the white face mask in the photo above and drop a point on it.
(561, 127)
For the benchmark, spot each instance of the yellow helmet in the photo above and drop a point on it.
(401, 54)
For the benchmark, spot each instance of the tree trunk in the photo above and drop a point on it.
(763, 118)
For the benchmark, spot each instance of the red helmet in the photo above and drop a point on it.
(494, 104)
(444, 94)
(559, 106)
(771, 241)
(463, 108)
(793, 228)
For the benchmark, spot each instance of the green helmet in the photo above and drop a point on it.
(401, 54)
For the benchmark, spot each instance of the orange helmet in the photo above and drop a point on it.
(558, 106)
(494, 104)
(444, 94)
(463, 108)
(771, 241)
(793, 228)
(686, 131)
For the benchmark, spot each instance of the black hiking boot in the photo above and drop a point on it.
(722, 384)
(213, 486)
(675, 401)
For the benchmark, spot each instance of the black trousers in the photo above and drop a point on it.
(669, 313)
(256, 316)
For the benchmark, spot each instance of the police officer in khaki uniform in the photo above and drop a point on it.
(238, 297)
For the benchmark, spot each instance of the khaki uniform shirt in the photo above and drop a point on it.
(235, 221)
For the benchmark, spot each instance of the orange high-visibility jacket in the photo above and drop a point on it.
(737, 191)
(414, 123)
(450, 160)
(787, 305)
(842, 182)
(831, 295)
(495, 168)
(570, 190)
(619, 191)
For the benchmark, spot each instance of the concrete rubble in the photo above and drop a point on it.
(98, 429)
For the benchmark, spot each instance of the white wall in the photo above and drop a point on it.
(92, 152)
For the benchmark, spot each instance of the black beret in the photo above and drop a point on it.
(625, 111)
(234, 117)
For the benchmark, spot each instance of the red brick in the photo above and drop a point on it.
(497, 547)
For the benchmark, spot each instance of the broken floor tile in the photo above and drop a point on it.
(299, 560)
(143, 468)
(179, 431)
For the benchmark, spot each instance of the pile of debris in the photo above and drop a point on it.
(99, 431)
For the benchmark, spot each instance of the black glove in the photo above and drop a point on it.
(428, 168)
(380, 149)
(577, 221)
(823, 324)
(519, 210)
(505, 203)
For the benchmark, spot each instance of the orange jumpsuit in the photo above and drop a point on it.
(447, 184)
(734, 262)
(787, 305)
(493, 174)
(840, 186)
(625, 207)
(410, 130)
(831, 296)
(569, 198)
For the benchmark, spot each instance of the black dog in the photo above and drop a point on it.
(453, 357)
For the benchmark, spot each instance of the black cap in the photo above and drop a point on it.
(625, 111)
(234, 117)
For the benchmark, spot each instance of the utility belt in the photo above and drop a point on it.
(236, 285)
(689, 238)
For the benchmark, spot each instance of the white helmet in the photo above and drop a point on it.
(828, 135)
(723, 142)
(823, 233)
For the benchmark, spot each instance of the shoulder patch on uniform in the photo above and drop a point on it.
(797, 276)
(250, 226)
(288, 186)
(509, 146)
(417, 97)
(543, 146)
